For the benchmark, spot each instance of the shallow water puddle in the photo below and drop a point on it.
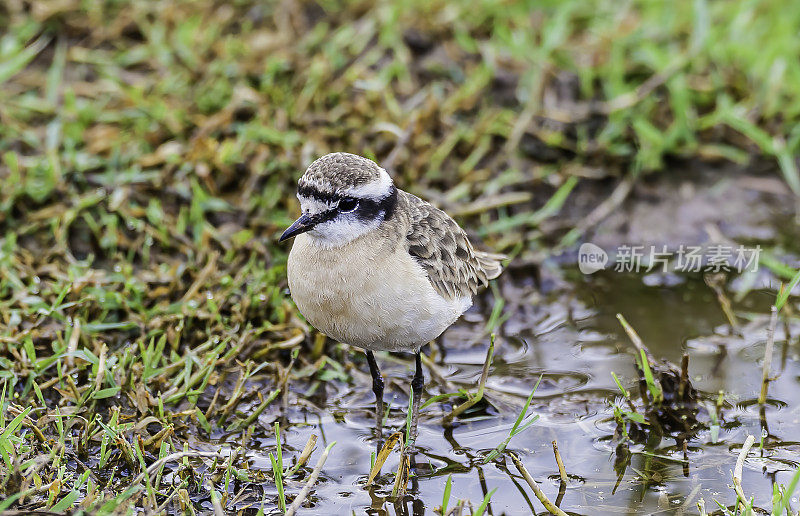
(574, 342)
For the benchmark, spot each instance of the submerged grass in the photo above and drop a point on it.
(148, 153)
(649, 423)
(743, 506)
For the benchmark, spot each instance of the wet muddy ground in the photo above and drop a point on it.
(561, 325)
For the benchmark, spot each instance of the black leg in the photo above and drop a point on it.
(377, 388)
(419, 380)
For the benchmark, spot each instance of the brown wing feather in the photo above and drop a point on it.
(439, 244)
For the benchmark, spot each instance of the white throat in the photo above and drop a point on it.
(340, 231)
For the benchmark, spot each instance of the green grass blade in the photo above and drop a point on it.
(786, 291)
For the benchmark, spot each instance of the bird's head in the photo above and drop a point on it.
(342, 196)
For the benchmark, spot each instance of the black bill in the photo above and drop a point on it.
(301, 225)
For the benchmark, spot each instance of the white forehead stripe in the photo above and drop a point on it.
(316, 204)
(375, 189)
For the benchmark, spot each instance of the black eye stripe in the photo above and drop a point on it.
(369, 209)
(366, 211)
(324, 216)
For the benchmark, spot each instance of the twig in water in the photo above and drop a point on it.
(716, 283)
(536, 490)
(773, 321)
(312, 479)
(310, 444)
(737, 473)
(684, 376)
(561, 471)
(636, 340)
(562, 486)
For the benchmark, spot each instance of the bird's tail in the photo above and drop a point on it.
(490, 263)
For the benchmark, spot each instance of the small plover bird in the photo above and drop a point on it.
(378, 268)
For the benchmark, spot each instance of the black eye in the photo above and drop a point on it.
(347, 205)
